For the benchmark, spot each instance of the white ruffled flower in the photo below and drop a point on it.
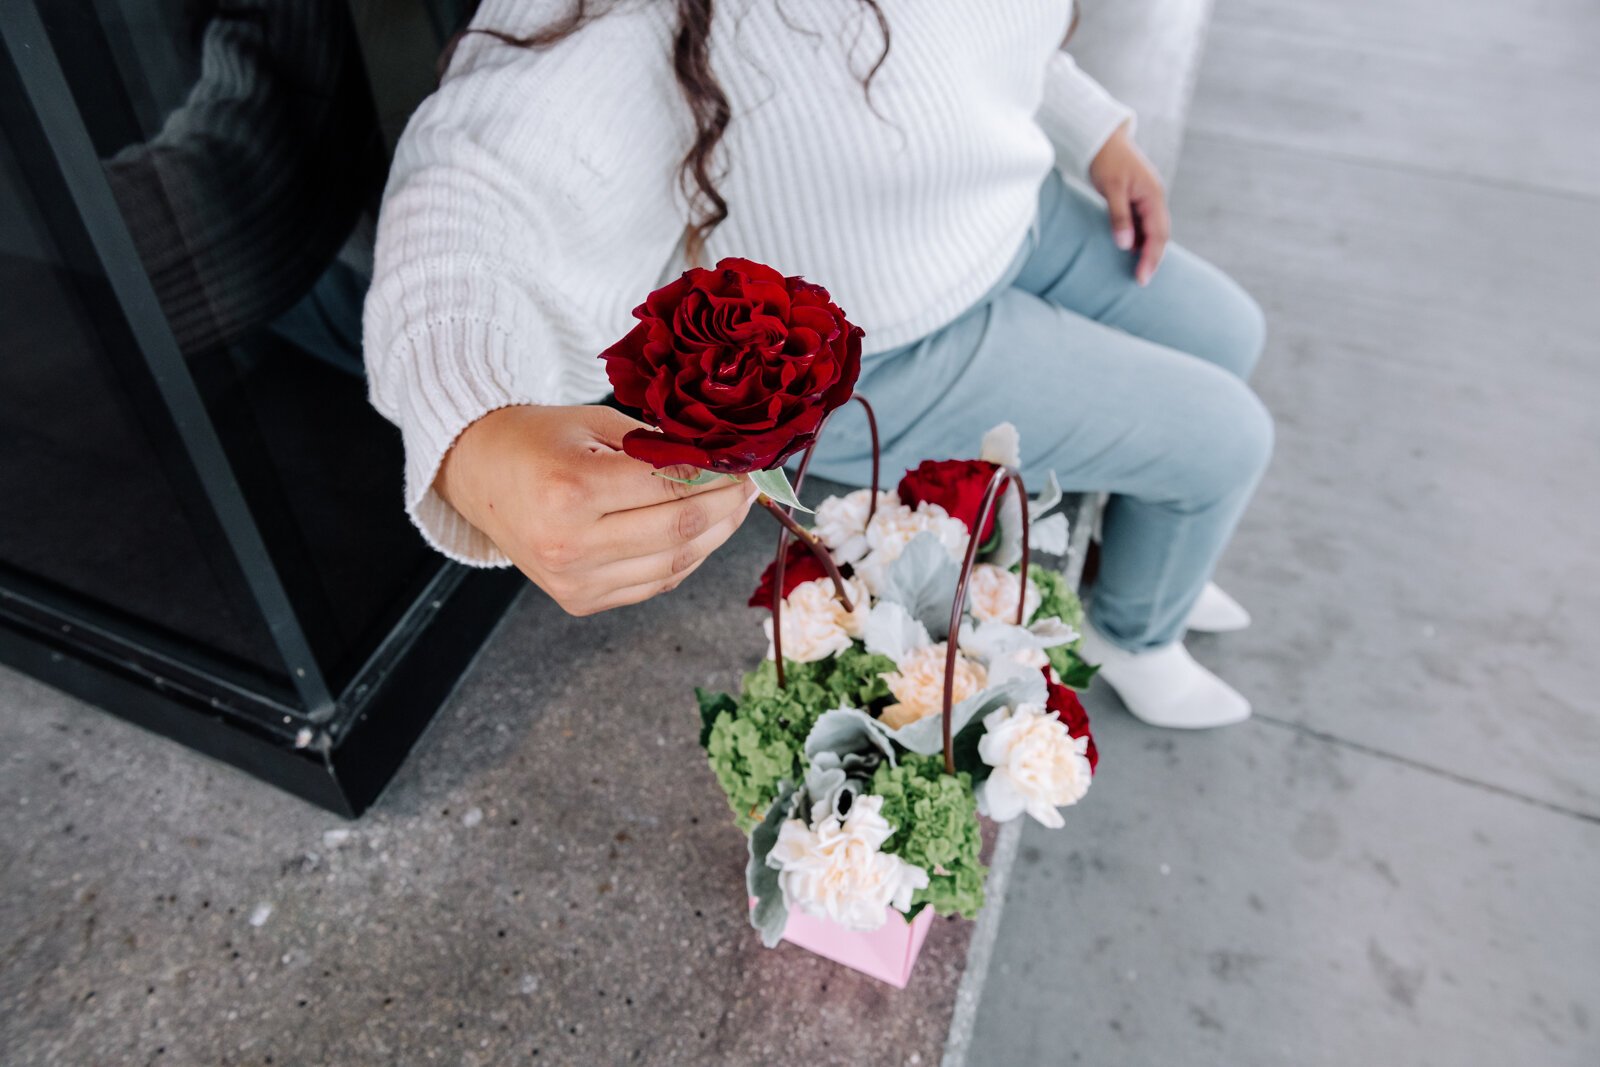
(895, 526)
(815, 624)
(918, 684)
(837, 871)
(841, 523)
(1002, 445)
(992, 595)
(1038, 765)
(1033, 658)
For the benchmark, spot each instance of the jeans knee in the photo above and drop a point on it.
(1240, 331)
(1252, 435)
(1238, 444)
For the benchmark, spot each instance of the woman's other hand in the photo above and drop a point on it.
(591, 526)
(1136, 199)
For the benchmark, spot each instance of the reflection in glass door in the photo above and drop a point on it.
(200, 500)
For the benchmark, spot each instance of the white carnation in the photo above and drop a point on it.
(837, 871)
(895, 526)
(918, 684)
(992, 595)
(1038, 765)
(842, 523)
(815, 623)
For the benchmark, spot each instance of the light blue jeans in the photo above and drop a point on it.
(1138, 392)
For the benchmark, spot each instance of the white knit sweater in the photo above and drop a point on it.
(534, 198)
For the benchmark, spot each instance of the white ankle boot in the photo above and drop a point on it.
(1217, 613)
(1165, 686)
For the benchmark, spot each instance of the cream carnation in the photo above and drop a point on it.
(841, 523)
(1038, 765)
(918, 684)
(992, 595)
(895, 526)
(815, 624)
(838, 870)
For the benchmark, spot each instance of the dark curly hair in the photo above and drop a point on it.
(691, 62)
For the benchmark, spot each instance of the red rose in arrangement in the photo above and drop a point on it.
(736, 368)
(800, 565)
(957, 485)
(1069, 709)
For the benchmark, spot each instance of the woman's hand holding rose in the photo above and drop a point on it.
(588, 524)
(736, 370)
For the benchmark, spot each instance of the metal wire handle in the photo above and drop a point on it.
(811, 541)
(991, 501)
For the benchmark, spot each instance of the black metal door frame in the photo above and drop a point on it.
(335, 749)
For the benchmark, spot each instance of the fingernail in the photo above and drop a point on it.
(1124, 239)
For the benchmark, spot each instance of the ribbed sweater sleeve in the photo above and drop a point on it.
(529, 205)
(1078, 115)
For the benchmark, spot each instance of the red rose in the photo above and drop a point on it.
(957, 485)
(1069, 709)
(736, 367)
(799, 565)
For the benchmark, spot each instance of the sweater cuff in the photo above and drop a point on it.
(455, 372)
(1078, 115)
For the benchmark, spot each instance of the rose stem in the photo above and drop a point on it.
(777, 570)
(811, 541)
(777, 605)
(991, 503)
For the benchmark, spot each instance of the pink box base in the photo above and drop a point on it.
(887, 953)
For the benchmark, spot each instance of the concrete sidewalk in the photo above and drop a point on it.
(1396, 862)
(553, 878)
(1393, 864)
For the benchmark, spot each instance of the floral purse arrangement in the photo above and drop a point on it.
(920, 671)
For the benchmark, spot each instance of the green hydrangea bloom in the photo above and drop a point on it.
(854, 677)
(1056, 598)
(754, 748)
(761, 740)
(935, 817)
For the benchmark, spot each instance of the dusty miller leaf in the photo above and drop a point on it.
(926, 735)
(699, 479)
(847, 730)
(770, 914)
(892, 632)
(923, 581)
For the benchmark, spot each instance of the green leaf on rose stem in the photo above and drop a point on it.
(775, 483)
(699, 479)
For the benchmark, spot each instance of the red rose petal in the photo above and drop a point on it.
(659, 450)
(738, 366)
(799, 567)
(957, 485)
(1064, 703)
